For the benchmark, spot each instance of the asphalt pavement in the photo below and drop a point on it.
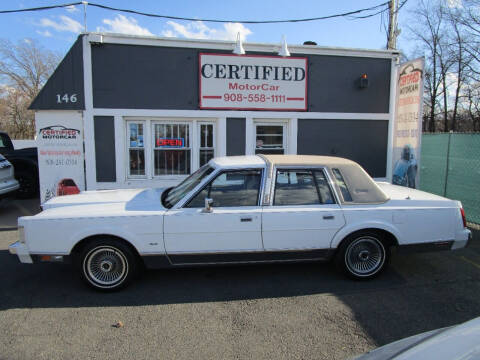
(295, 311)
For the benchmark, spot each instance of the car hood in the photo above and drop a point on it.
(130, 198)
(457, 342)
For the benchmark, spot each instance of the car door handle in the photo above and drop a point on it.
(246, 219)
(328, 217)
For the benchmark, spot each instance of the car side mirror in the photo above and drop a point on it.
(208, 205)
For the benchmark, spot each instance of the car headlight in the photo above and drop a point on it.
(21, 234)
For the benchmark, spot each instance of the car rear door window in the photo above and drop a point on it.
(301, 187)
(231, 189)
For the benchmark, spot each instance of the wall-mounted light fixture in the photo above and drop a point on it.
(283, 48)
(363, 83)
(239, 50)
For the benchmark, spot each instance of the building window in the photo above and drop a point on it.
(171, 148)
(136, 149)
(207, 147)
(269, 139)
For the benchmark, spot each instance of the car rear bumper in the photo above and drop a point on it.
(21, 250)
(462, 240)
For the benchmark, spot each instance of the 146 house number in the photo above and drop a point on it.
(66, 98)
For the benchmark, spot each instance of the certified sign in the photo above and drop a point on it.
(252, 82)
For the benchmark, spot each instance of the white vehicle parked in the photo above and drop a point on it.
(8, 184)
(245, 209)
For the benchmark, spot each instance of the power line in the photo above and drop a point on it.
(39, 8)
(381, 11)
(241, 21)
(345, 14)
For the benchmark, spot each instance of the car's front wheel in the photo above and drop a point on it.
(362, 255)
(107, 264)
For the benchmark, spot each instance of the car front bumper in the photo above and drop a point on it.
(21, 250)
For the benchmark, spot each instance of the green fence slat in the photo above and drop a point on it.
(463, 180)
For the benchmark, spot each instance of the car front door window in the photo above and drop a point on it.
(231, 189)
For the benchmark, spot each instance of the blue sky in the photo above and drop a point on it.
(57, 29)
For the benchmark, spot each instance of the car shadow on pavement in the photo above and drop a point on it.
(441, 290)
(47, 285)
(388, 308)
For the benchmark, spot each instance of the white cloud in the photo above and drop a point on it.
(45, 33)
(124, 25)
(65, 23)
(71, 8)
(454, 3)
(198, 30)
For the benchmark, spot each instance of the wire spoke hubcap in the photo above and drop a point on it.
(365, 256)
(106, 265)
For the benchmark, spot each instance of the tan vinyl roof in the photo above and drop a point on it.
(306, 160)
(352, 182)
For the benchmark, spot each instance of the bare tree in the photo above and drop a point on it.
(24, 69)
(462, 63)
(428, 31)
(469, 17)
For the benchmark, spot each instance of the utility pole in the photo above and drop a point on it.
(85, 4)
(392, 24)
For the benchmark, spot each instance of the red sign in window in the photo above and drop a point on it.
(170, 142)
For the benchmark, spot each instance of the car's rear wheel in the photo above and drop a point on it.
(362, 255)
(107, 264)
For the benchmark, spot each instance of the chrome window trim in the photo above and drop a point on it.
(323, 168)
(180, 203)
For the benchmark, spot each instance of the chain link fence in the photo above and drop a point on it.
(450, 167)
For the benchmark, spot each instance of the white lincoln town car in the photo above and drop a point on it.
(242, 209)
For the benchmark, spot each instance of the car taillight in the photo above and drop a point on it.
(464, 219)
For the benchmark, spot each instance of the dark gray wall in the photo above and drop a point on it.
(144, 77)
(104, 128)
(235, 136)
(66, 79)
(364, 141)
(334, 84)
(149, 77)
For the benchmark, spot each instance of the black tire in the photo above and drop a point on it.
(107, 264)
(28, 185)
(362, 255)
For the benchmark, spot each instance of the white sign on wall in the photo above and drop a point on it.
(60, 154)
(252, 82)
(408, 124)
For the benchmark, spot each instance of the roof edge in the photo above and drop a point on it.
(104, 37)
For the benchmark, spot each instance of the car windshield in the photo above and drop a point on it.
(177, 193)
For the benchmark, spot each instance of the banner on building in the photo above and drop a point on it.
(60, 154)
(252, 82)
(408, 124)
